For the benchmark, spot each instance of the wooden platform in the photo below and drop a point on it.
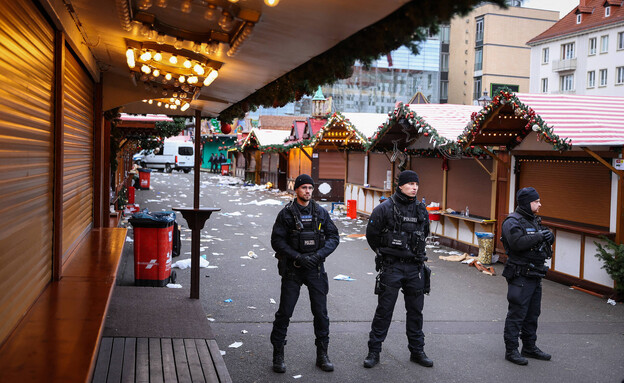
(159, 360)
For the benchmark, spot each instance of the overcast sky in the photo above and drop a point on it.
(563, 6)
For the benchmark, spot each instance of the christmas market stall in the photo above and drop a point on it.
(261, 152)
(568, 147)
(298, 147)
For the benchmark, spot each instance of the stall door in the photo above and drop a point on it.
(26, 158)
(78, 154)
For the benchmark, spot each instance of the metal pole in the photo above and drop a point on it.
(196, 232)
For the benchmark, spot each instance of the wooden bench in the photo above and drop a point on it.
(58, 339)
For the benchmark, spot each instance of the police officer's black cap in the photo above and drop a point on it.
(303, 179)
(407, 176)
(526, 195)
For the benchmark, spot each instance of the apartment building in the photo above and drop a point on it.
(583, 53)
(488, 50)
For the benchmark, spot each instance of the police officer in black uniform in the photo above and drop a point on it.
(396, 231)
(303, 236)
(528, 245)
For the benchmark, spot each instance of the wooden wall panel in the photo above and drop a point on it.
(332, 165)
(26, 158)
(430, 173)
(378, 165)
(355, 164)
(469, 185)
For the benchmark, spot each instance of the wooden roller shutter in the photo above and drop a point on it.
(78, 153)
(430, 176)
(26, 158)
(469, 185)
(575, 190)
(355, 174)
(378, 166)
(332, 165)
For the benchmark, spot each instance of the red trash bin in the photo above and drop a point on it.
(153, 245)
(144, 178)
(225, 169)
(352, 208)
(130, 195)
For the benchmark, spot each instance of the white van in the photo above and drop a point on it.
(172, 154)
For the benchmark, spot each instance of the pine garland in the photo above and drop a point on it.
(534, 122)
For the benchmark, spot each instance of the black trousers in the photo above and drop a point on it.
(318, 287)
(525, 298)
(409, 277)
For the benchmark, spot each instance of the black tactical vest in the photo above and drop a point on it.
(536, 255)
(307, 236)
(407, 231)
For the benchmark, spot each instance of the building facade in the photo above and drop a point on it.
(583, 53)
(488, 50)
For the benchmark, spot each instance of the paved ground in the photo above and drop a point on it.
(464, 314)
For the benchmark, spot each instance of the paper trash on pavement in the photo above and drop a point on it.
(611, 302)
(244, 331)
(341, 277)
(272, 301)
(236, 345)
(174, 286)
(186, 263)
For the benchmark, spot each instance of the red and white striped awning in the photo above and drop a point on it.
(586, 120)
(449, 120)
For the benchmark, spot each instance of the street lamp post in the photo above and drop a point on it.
(484, 100)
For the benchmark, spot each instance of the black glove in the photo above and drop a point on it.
(548, 236)
(309, 261)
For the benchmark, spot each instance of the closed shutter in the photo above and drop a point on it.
(26, 158)
(356, 168)
(576, 190)
(331, 165)
(469, 185)
(78, 153)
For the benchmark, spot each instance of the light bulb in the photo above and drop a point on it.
(172, 99)
(150, 102)
(156, 73)
(168, 76)
(185, 107)
(226, 21)
(192, 80)
(196, 47)
(159, 103)
(187, 64)
(198, 69)
(174, 94)
(145, 69)
(174, 107)
(177, 102)
(162, 3)
(145, 4)
(181, 79)
(210, 13)
(160, 39)
(173, 59)
(157, 56)
(146, 56)
(233, 1)
(178, 44)
(186, 6)
(211, 77)
(167, 106)
(271, 3)
(130, 57)
(144, 100)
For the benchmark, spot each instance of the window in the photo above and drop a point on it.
(444, 62)
(445, 33)
(477, 88)
(478, 59)
(620, 41)
(185, 151)
(443, 90)
(567, 51)
(566, 83)
(619, 75)
(479, 32)
(607, 11)
(592, 46)
(604, 44)
(591, 79)
(545, 53)
(603, 77)
(578, 18)
(545, 85)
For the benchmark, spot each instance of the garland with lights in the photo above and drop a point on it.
(408, 25)
(534, 122)
(337, 120)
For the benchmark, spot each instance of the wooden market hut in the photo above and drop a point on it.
(262, 159)
(568, 147)
(299, 149)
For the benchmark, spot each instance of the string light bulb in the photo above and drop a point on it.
(146, 56)
(168, 76)
(271, 3)
(145, 69)
(186, 6)
(199, 69)
(157, 56)
(130, 58)
(156, 73)
(181, 79)
(211, 12)
(187, 64)
(211, 77)
(185, 107)
(173, 59)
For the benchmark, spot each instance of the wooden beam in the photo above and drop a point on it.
(492, 154)
(483, 166)
(602, 161)
(306, 153)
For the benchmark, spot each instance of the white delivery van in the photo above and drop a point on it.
(172, 154)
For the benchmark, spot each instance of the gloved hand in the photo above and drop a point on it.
(548, 236)
(309, 261)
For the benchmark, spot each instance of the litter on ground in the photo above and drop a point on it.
(186, 263)
(236, 345)
(341, 277)
(174, 286)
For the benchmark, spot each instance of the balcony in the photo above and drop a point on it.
(564, 65)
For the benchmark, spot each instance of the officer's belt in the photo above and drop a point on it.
(393, 259)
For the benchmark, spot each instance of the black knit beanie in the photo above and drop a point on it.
(526, 195)
(407, 176)
(303, 179)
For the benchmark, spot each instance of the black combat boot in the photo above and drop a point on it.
(278, 358)
(322, 360)
(532, 351)
(514, 357)
(421, 358)
(371, 359)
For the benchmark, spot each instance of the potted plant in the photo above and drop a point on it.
(612, 255)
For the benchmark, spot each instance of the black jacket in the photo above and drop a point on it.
(383, 221)
(285, 224)
(522, 238)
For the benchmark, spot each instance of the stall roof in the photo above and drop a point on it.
(266, 137)
(145, 117)
(449, 120)
(586, 120)
(366, 123)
